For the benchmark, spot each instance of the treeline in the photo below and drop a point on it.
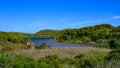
(98, 33)
(46, 33)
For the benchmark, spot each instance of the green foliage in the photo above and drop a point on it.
(93, 59)
(24, 62)
(13, 37)
(114, 55)
(101, 34)
(46, 33)
(81, 61)
(42, 46)
(2, 60)
(98, 34)
(68, 62)
(51, 61)
(10, 60)
(89, 34)
(114, 44)
(117, 45)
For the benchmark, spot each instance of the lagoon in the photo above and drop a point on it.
(54, 44)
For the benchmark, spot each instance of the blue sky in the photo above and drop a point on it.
(33, 15)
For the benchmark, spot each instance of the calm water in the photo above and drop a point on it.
(50, 42)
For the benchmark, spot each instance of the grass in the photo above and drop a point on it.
(61, 52)
(60, 58)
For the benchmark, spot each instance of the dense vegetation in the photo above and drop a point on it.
(46, 33)
(12, 37)
(98, 33)
(103, 35)
(43, 46)
(94, 59)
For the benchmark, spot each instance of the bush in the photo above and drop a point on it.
(114, 55)
(114, 44)
(117, 45)
(42, 46)
(68, 61)
(27, 46)
(81, 61)
(2, 61)
(43, 65)
(11, 60)
(24, 62)
(86, 40)
(50, 61)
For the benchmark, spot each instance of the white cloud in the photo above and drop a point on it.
(115, 17)
(85, 22)
(98, 20)
(112, 18)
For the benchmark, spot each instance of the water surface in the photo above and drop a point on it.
(54, 44)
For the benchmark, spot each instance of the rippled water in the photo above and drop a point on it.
(50, 42)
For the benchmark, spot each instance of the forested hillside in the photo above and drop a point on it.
(46, 33)
(18, 56)
(102, 33)
(97, 33)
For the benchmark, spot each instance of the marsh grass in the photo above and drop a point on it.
(58, 58)
(61, 52)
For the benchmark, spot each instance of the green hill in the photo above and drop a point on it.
(46, 33)
(89, 34)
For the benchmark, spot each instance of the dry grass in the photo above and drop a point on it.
(61, 52)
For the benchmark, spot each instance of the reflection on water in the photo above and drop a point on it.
(50, 42)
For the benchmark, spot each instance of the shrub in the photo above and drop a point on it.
(68, 61)
(113, 59)
(2, 61)
(117, 45)
(86, 40)
(24, 62)
(114, 44)
(50, 61)
(80, 61)
(114, 55)
(27, 46)
(42, 46)
(43, 65)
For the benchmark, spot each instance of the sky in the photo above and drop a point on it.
(31, 16)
